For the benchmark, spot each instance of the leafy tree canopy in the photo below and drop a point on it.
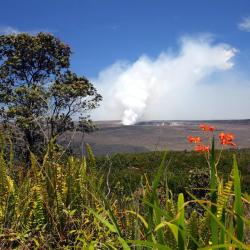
(39, 94)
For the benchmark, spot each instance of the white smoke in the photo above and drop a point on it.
(171, 86)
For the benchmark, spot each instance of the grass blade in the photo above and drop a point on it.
(238, 206)
(213, 187)
(181, 223)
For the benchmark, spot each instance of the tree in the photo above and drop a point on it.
(40, 97)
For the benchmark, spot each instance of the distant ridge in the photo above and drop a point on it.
(183, 122)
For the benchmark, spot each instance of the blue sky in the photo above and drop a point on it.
(146, 54)
(101, 32)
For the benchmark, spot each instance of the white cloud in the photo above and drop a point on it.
(245, 24)
(5, 30)
(175, 87)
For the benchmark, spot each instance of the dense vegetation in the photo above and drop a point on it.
(71, 204)
(126, 170)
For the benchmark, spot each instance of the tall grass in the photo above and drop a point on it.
(64, 205)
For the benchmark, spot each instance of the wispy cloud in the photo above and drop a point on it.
(245, 24)
(6, 30)
(113, 27)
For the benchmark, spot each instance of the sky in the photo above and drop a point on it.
(151, 59)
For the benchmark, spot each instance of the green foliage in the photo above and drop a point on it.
(213, 194)
(238, 206)
(64, 205)
(181, 223)
(187, 171)
(39, 94)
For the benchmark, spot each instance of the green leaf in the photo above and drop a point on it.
(153, 199)
(218, 246)
(144, 222)
(181, 223)
(173, 228)
(111, 227)
(92, 161)
(150, 244)
(124, 244)
(213, 187)
(238, 206)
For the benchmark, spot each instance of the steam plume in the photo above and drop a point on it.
(172, 86)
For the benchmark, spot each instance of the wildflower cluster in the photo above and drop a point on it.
(193, 139)
(201, 148)
(205, 127)
(225, 139)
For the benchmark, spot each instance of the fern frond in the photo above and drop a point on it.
(223, 197)
(92, 161)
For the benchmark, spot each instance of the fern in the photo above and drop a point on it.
(193, 230)
(223, 197)
(92, 161)
(3, 176)
(37, 218)
(4, 188)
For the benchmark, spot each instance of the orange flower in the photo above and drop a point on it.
(222, 135)
(205, 127)
(193, 139)
(201, 148)
(230, 136)
(211, 128)
(227, 139)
